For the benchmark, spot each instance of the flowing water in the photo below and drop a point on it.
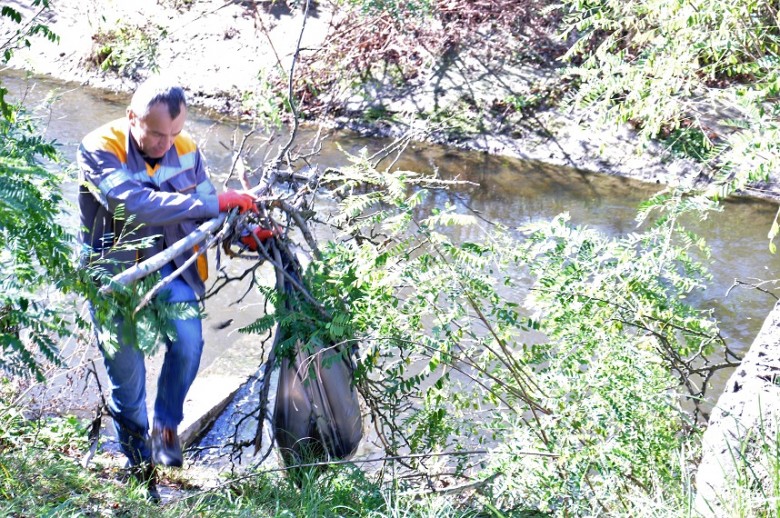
(510, 191)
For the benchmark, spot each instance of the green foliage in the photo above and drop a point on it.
(124, 49)
(461, 120)
(690, 143)
(266, 104)
(36, 251)
(38, 270)
(377, 113)
(398, 10)
(522, 103)
(753, 488)
(773, 231)
(145, 323)
(148, 327)
(618, 326)
(36, 265)
(570, 387)
(664, 65)
(347, 492)
(40, 476)
(21, 36)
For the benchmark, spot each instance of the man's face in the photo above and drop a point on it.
(156, 131)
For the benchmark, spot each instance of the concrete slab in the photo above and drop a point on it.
(208, 397)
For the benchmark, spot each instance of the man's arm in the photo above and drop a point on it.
(115, 187)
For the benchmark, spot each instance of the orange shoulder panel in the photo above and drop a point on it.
(110, 137)
(115, 141)
(184, 144)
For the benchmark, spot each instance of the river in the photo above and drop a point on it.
(510, 191)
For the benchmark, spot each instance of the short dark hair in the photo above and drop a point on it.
(158, 90)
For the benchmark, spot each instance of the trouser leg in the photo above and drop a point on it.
(127, 377)
(182, 359)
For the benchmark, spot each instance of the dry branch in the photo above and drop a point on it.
(184, 245)
(154, 263)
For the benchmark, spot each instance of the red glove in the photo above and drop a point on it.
(262, 234)
(232, 199)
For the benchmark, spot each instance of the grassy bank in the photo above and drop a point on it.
(41, 475)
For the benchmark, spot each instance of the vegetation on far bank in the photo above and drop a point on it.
(584, 423)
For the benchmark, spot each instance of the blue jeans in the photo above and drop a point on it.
(127, 374)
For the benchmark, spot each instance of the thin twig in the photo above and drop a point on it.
(290, 92)
(20, 32)
(237, 160)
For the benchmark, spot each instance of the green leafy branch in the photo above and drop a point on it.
(37, 266)
(21, 36)
(550, 339)
(701, 76)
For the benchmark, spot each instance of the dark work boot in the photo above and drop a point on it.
(166, 447)
(145, 475)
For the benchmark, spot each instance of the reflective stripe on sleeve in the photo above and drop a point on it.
(187, 160)
(112, 180)
(165, 173)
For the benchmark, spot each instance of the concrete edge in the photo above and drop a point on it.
(745, 420)
(207, 398)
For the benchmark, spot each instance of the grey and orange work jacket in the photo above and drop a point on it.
(122, 200)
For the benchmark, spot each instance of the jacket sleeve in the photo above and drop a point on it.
(204, 188)
(114, 187)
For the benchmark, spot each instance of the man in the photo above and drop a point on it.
(144, 175)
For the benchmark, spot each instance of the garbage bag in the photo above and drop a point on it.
(317, 413)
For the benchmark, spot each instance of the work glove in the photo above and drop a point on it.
(232, 199)
(262, 234)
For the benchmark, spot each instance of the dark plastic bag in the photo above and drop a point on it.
(317, 415)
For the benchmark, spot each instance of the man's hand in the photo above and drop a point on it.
(262, 234)
(232, 199)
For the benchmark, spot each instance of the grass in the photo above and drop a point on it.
(41, 475)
